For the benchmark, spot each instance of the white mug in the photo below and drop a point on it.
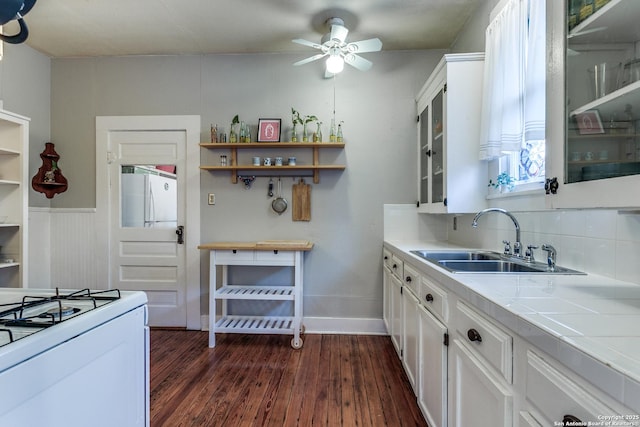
(588, 155)
(292, 161)
(278, 161)
(267, 161)
(256, 161)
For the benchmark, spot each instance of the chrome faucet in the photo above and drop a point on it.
(517, 245)
(551, 256)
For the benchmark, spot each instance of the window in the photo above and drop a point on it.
(513, 114)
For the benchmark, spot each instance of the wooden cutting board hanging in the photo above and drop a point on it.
(301, 203)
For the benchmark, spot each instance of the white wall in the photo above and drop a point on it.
(343, 277)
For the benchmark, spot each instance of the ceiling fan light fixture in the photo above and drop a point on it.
(335, 63)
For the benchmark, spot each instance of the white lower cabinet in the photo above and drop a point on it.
(554, 398)
(397, 318)
(432, 379)
(477, 396)
(386, 289)
(468, 369)
(411, 336)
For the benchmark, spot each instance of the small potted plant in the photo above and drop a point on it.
(295, 117)
(504, 182)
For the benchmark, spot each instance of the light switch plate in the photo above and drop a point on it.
(212, 199)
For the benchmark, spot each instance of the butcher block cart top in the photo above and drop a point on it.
(288, 253)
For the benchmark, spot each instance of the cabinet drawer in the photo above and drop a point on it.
(555, 396)
(495, 345)
(434, 299)
(233, 256)
(397, 267)
(280, 257)
(412, 279)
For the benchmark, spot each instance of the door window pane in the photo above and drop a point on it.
(149, 197)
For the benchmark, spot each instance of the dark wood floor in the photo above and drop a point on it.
(259, 380)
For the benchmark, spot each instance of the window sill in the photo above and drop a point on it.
(517, 193)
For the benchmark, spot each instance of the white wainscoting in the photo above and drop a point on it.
(63, 249)
(39, 248)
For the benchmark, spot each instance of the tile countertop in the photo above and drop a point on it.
(590, 323)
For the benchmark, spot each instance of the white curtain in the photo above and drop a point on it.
(535, 76)
(514, 78)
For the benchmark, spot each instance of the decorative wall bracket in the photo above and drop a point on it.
(49, 179)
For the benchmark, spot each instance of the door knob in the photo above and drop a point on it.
(180, 233)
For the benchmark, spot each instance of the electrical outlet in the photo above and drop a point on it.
(212, 199)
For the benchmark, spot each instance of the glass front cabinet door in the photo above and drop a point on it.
(451, 178)
(593, 95)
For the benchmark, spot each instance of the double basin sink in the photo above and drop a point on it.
(477, 261)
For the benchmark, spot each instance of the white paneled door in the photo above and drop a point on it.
(147, 180)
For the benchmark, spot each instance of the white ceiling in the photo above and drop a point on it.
(80, 28)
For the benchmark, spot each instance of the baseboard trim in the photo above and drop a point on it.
(331, 325)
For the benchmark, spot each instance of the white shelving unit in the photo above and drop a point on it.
(14, 191)
(255, 254)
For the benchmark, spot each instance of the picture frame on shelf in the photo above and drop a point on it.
(269, 130)
(589, 123)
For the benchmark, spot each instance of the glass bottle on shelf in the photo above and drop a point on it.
(214, 134)
(332, 131)
(317, 136)
(339, 136)
(242, 132)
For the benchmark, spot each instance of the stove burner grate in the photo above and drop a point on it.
(14, 315)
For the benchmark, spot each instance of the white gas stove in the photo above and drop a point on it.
(65, 353)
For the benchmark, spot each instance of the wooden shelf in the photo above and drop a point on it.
(273, 144)
(314, 167)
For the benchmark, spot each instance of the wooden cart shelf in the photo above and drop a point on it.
(315, 167)
(285, 253)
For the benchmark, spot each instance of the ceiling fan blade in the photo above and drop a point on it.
(307, 43)
(358, 62)
(370, 45)
(339, 33)
(310, 59)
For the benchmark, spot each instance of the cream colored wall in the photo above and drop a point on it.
(343, 277)
(25, 87)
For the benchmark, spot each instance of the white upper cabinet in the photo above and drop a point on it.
(593, 99)
(451, 178)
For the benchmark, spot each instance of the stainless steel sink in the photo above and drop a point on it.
(456, 255)
(487, 262)
(494, 266)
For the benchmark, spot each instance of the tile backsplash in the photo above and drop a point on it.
(599, 241)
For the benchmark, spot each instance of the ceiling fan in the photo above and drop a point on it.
(334, 45)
